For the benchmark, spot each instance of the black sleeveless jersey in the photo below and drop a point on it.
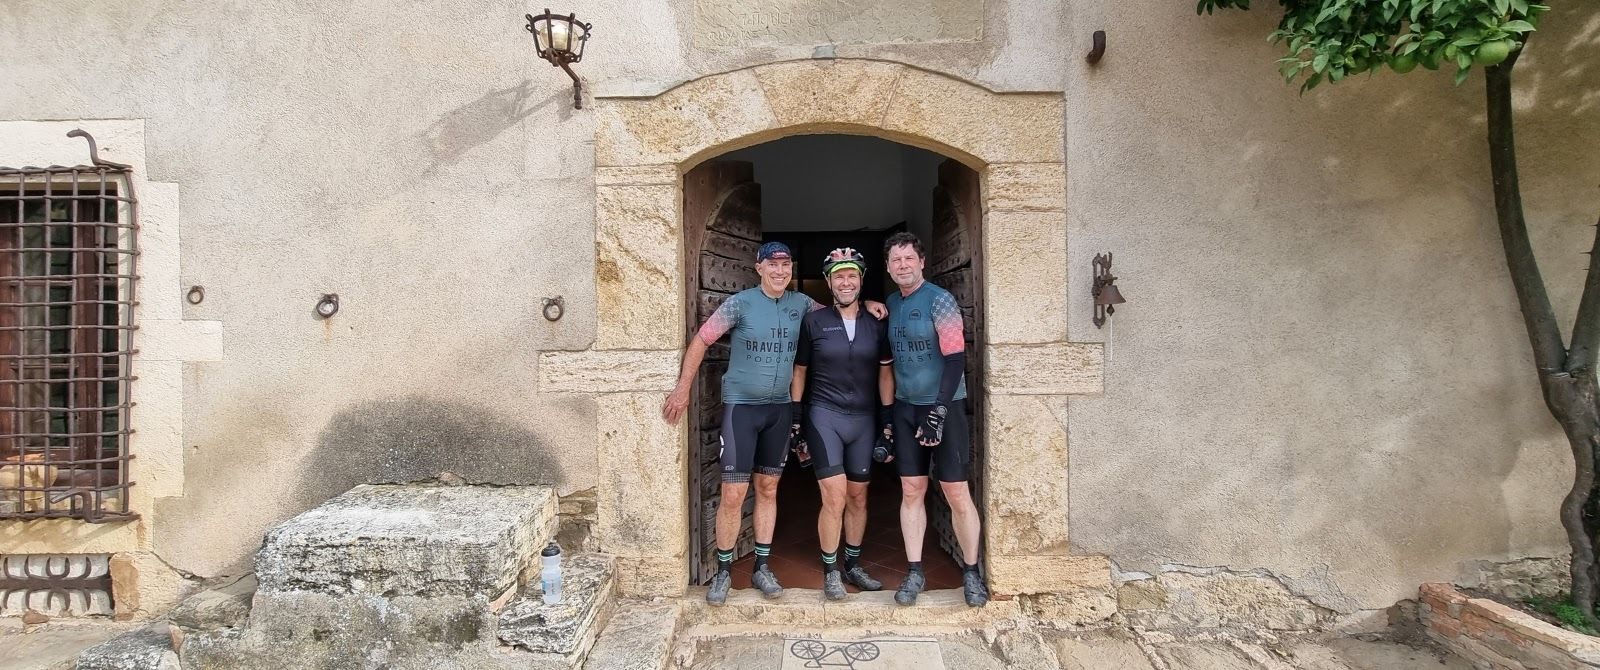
(842, 373)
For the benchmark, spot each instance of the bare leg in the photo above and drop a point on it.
(913, 515)
(730, 511)
(766, 507)
(855, 513)
(832, 513)
(964, 516)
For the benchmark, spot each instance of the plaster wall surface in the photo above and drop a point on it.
(1320, 372)
(1321, 369)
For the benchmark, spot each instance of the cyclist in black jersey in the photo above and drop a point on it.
(844, 360)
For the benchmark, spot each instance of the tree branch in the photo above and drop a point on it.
(1586, 331)
(1544, 334)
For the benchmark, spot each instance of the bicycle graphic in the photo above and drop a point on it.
(817, 654)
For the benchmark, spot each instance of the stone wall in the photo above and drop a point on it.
(1502, 637)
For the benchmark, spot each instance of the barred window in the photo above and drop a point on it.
(67, 274)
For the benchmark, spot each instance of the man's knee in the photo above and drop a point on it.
(766, 487)
(833, 502)
(856, 496)
(733, 494)
(913, 488)
(956, 493)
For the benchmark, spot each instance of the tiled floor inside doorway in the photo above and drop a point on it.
(797, 560)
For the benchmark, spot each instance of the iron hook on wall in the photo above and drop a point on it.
(1098, 50)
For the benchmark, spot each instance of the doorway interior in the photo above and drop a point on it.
(816, 193)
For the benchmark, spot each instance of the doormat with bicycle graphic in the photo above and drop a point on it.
(872, 654)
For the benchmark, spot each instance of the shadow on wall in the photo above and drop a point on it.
(459, 130)
(415, 438)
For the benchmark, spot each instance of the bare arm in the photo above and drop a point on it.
(797, 386)
(886, 385)
(678, 400)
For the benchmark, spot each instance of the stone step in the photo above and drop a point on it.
(396, 540)
(638, 637)
(561, 635)
(867, 611)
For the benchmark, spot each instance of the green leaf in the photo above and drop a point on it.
(1501, 7)
(1369, 39)
(1517, 27)
(1461, 75)
(1520, 5)
(1463, 60)
(1320, 63)
(1310, 83)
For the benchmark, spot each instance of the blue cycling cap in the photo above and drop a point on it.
(773, 250)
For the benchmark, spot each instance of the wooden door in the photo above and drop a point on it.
(955, 263)
(722, 231)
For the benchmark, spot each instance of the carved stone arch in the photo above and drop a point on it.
(1014, 141)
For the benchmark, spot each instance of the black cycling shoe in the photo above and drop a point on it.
(913, 585)
(972, 586)
(767, 582)
(833, 586)
(858, 576)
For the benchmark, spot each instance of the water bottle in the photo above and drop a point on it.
(550, 573)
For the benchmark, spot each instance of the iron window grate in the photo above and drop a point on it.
(68, 268)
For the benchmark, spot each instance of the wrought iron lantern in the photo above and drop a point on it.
(560, 40)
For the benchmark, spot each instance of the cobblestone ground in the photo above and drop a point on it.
(1105, 649)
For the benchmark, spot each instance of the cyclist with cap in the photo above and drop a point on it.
(758, 423)
(844, 359)
(930, 422)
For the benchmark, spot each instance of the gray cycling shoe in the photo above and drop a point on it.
(720, 583)
(972, 586)
(858, 577)
(910, 588)
(833, 585)
(766, 581)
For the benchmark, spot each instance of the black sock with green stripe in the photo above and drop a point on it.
(763, 550)
(830, 561)
(852, 555)
(724, 560)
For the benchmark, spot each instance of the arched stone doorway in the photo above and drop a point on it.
(1013, 141)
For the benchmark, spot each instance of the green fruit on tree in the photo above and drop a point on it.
(1493, 53)
(1430, 60)
(1403, 64)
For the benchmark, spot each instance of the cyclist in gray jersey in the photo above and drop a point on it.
(930, 422)
(758, 422)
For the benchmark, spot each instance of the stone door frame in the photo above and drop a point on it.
(643, 146)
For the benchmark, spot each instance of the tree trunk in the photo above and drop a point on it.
(1567, 379)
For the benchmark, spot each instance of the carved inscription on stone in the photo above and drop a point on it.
(740, 23)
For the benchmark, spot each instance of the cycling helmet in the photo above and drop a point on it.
(842, 258)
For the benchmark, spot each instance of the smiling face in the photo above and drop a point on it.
(905, 266)
(775, 274)
(846, 286)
